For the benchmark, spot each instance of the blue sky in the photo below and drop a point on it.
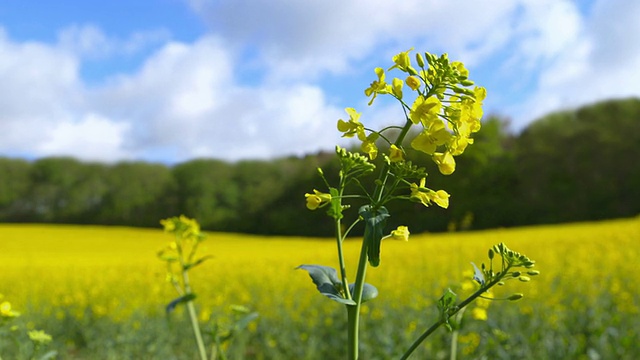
(172, 80)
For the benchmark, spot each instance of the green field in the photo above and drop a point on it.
(101, 293)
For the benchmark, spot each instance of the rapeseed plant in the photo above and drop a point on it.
(447, 112)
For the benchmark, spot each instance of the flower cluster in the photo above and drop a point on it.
(443, 105)
(182, 226)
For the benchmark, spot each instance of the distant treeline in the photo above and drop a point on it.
(569, 166)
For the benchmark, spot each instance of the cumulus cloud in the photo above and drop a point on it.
(183, 102)
(267, 80)
(92, 138)
(584, 59)
(297, 39)
(39, 85)
(90, 41)
(185, 98)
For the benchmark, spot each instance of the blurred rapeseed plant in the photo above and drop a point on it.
(446, 107)
(180, 257)
(38, 338)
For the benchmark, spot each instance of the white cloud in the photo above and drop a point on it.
(39, 85)
(254, 87)
(187, 99)
(296, 39)
(90, 41)
(92, 138)
(593, 61)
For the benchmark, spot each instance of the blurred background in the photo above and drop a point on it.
(123, 113)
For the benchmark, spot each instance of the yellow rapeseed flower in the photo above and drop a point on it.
(413, 82)
(401, 233)
(395, 154)
(377, 87)
(353, 126)
(6, 311)
(446, 163)
(440, 197)
(317, 199)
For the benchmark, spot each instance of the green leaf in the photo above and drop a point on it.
(369, 291)
(375, 221)
(446, 305)
(182, 299)
(326, 280)
(244, 321)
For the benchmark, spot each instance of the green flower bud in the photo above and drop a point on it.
(466, 82)
(419, 60)
(533, 272)
(516, 274)
(515, 297)
(524, 278)
(491, 253)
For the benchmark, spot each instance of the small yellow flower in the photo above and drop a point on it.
(403, 62)
(317, 199)
(401, 233)
(425, 111)
(377, 87)
(413, 82)
(395, 154)
(6, 311)
(396, 87)
(353, 126)
(429, 140)
(369, 145)
(479, 313)
(440, 197)
(446, 163)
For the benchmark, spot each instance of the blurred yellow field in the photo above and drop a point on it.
(55, 272)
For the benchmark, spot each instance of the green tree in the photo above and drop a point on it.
(576, 165)
(65, 190)
(138, 194)
(14, 186)
(206, 190)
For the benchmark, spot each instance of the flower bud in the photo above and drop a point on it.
(515, 297)
(533, 272)
(419, 60)
(491, 253)
(524, 278)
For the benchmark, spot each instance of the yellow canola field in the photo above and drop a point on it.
(114, 271)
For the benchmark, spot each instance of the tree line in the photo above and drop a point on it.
(575, 165)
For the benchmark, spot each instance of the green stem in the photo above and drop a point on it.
(353, 311)
(191, 309)
(343, 271)
(460, 306)
(404, 132)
